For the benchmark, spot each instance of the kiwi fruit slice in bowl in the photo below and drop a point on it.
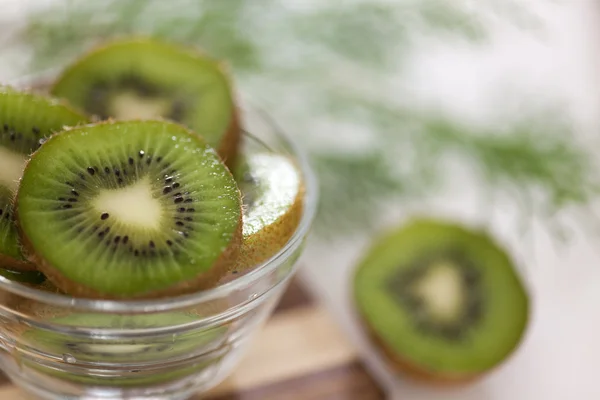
(129, 209)
(143, 78)
(144, 359)
(443, 302)
(26, 119)
(272, 194)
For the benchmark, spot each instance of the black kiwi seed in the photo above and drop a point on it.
(141, 153)
(131, 162)
(104, 216)
(91, 170)
(167, 190)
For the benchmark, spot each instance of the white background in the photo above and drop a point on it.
(560, 356)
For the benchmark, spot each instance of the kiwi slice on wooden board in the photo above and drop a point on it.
(104, 358)
(443, 302)
(142, 78)
(272, 193)
(129, 209)
(26, 120)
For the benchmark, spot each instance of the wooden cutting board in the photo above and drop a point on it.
(300, 354)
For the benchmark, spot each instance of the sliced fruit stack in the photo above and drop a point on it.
(132, 197)
(444, 303)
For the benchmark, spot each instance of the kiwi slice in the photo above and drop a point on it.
(444, 302)
(272, 193)
(143, 78)
(129, 209)
(25, 120)
(108, 356)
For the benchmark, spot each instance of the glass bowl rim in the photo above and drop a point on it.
(189, 300)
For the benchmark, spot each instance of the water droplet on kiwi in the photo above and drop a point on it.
(69, 358)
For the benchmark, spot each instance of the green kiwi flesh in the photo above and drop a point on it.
(272, 192)
(129, 209)
(108, 356)
(445, 302)
(26, 120)
(147, 78)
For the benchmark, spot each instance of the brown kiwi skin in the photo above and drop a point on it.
(252, 255)
(230, 142)
(205, 280)
(19, 265)
(285, 227)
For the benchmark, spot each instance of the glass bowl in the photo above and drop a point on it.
(58, 347)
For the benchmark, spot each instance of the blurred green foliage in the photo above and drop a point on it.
(291, 49)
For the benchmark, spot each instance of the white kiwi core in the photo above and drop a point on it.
(133, 205)
(11, 168)
(128, 105)
(442, 291)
